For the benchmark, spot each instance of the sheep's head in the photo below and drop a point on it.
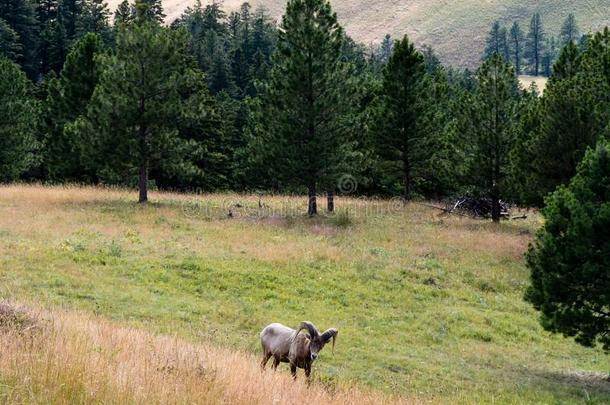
(317, 341)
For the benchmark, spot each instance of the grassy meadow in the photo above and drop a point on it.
(428, 307)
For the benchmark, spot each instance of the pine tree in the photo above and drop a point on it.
(123, 14)
(19, 112)
(534, 45)
(516, 41)
(67, 99)
(148, 86)
(492, 114)
(497, 42)
(10, 47)
(69, 11)
(567, 63)
(549, 56)
(399, 136)
(575, 112)
(20, 16)
(300, 136)
(148, 10)
(94, 18)
(570, 259)
(385, 50)
(569, 31)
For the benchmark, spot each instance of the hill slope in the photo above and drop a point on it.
(427, 307)
(456, 28)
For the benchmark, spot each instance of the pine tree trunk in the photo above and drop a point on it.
(143, 183)
(312, 205)
(407, 178)
(330, 201)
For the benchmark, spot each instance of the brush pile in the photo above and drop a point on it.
(477, 207)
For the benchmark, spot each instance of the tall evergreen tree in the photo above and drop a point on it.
(10, 47)
(67, 99)
(570, 259)
(69, 11)
(497, 42)
(147, 88)
(549, 56)
(399, 137)
(385, 50)
(575, 112)
(534, 45)
(123, 14)
(149, 10)
(20, 16)
(300, 136)
(567, 63)
(19, 112)
(95, 18)
(569, 31)
(515, 45)
(492, 114)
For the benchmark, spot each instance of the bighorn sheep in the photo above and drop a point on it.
(288, 346)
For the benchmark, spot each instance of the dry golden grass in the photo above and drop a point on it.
(78, 358)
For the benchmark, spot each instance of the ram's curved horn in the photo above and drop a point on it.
(332, 332)
(313, 332)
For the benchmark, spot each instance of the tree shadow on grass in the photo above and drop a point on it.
(592, 387)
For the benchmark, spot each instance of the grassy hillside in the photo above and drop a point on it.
(60, 357)
(456, 29)
(427, 307)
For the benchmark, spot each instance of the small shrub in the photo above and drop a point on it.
(115, 249)
(14, 319)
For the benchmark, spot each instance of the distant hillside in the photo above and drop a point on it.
(455, 28)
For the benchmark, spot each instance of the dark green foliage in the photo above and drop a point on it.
(574, 113)
(94, 18)
(399, 136)
(123, 14)
(68, 16)
(497, 42)
(9, 42)
(492, 114)
(20, 16)
(19, 112)
(534, 45)
(549, 56)
(385, 50)
(516, 41)
(570, 259)
(148, 10)
(299, 129)
(149, 110)
(68, 97)
(567, 63)
(569, 31)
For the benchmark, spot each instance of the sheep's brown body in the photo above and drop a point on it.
(287, 345)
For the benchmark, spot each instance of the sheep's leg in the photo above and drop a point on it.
(266, 358)
(308, 372)
(293, 371)
(276, 362)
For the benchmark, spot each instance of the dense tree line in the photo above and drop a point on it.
(533, 52)
(235, 101)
